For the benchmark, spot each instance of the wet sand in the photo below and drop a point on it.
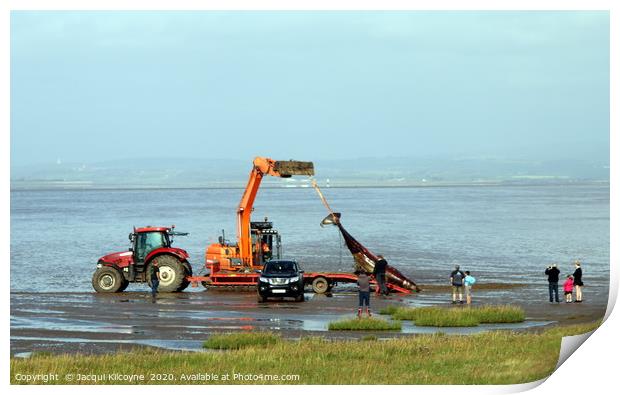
(101, 323)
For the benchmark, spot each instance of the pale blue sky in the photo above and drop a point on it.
(91, 86)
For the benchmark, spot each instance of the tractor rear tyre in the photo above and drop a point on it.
(188, 272)
(107, 279)
(123, 286)
(320, 285)
(184, 285)
(171, 272)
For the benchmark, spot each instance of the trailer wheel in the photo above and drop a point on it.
(107, 279)
(171, 272)
(320, 285)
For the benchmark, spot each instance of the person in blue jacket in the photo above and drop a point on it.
(469, 282)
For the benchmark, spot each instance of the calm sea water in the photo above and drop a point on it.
(505, 234)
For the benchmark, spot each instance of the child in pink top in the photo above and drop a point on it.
(568, 289)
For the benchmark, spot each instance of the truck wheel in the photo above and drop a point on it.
(171, 273)
(107, 279)
(320, 285)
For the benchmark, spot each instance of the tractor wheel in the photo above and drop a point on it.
(123, 286)
(107, 280)
(184, 285)
(171, 273)
(188, 272)
(320, 285)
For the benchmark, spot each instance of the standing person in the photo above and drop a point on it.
(469, 281)
(553, 276)
(363, 282)
(568, 289)
(456, 280)
(154, 279)
(379, 273)
(578, 283)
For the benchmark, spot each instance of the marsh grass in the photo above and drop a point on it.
(500, 357)
(389, 309)
(499, 314)
(364, 324)
(460, 316)
(446, 318)
(235, 341)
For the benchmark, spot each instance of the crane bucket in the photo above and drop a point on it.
(288, 168)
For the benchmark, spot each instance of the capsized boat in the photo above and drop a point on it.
(363, 257)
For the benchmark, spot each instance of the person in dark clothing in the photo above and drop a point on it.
(578, 282)
(379, 272)
(456, 280)
(553, 276)
(363, 282)
(154, 279)
(266, 251)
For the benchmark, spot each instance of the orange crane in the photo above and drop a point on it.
(255, 240)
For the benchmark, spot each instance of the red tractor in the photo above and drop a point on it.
(149, 244)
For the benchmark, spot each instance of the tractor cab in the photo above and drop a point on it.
(145, 240)
(148, 239)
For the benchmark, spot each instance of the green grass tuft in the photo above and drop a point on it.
(409, 313)
(365, 324)
(235, 341)
(460, 317)
(499, 314)
(389, 309)
(447, 318)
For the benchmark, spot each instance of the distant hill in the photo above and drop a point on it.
(169, 173)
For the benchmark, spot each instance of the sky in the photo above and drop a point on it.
(99, 86)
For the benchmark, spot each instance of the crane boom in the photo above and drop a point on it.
(261, 167)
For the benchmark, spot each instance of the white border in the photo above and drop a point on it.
(592, 367)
